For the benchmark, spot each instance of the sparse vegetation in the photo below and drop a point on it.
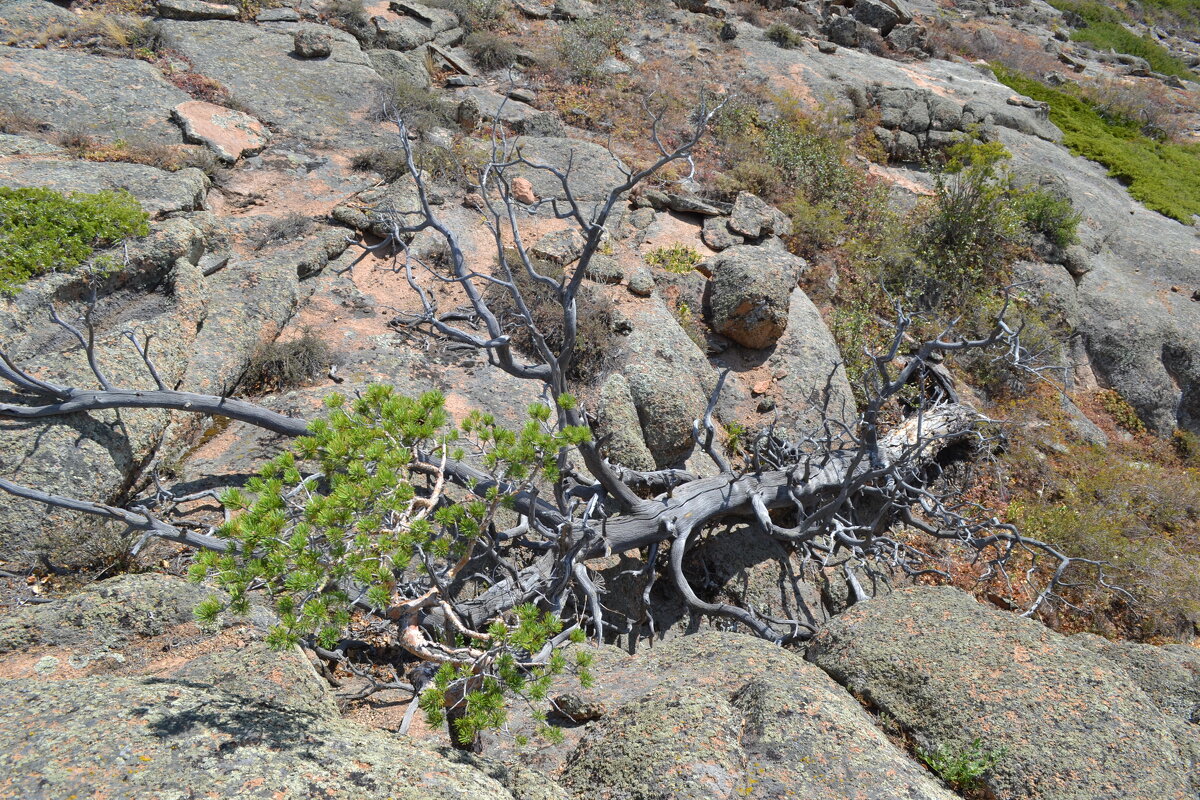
(490, 50)
(960, 768)
(594, 334)
(44, 231)
(584, 45)
(280, 230)
(279, 366)
(421, 109)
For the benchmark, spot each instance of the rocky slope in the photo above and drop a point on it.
(114, 692)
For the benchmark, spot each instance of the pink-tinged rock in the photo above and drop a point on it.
(230, 134)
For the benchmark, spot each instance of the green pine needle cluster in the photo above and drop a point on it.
(346, 515)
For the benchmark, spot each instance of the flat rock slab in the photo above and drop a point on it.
(113, 98)
(20, 18)
(594, 170)
(195, 10)
(228, 133)
(159, 192)
(1073, 725)
(171, 739)
(322, 102)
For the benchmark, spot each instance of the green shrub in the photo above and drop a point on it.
(678, 258)
(279, 366)
(1091, 12)
(421, 109)
(784, 35)
(367, 521)
(1106, 35)
(476, 15)
(1162, 175)
(1049, 213)
(43, 231)
(1124, 414)
(962, 768)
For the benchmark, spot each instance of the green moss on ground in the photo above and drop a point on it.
(1165, 176)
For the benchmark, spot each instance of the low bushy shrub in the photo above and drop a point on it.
(584, 45)
(491, 51)
(784, 35)
(1111, 35)
(279, 366)
(44, 231)
(281, 230)
(678, 258)
(421, 109)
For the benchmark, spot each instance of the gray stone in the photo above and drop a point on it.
(159, 192)
(727, 715)
(617, 424)
(641, 282)
(593, 174)
(877, 14)
(310, 43)
(753, 218)
(716, 234)
(574, 9)
(544, 123)
(1072, 724)
(532, 9)
(26, 19)
(317, 101)
(906, 38)
(278, 15)
(809, 378)
(408, 68)
(105, 614)
(1169, 675)
(169, 738)
(124, 98)
(419, 25)
(604, 269)
(690, 204)
(194, 10)
(560, 247)
(11, 145)
(261, 675)
(843, 31)
(750, 291)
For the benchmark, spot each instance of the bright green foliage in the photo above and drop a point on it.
(475, 693)
(1163, 175)
(42, 230)
(1118, 37)
(361, 527)
(1091, 12)
(961, 769)
(677, 258)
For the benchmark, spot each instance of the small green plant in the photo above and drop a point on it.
(1049, 213)
(1121, 411)
(43, 231)
(678, 258)
(784, 35)
(585, 44)
(961, 768)
(367, 529)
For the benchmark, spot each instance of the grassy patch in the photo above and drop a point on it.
(279, 366)
(1112, 35)
(42, 230)
(1163, 175)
